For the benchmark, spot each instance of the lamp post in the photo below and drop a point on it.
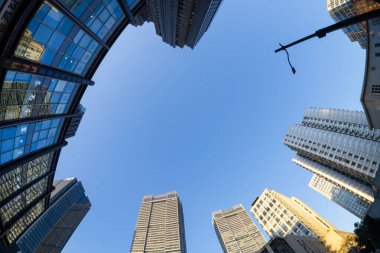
(324, 31)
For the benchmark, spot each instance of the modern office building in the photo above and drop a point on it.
(50, 232)
(340, 10)
(236, 231)
(280, 216)
(346, 199)
(160, 225)
(180, 22)
(295, 244)
(49, 51)
(338, 146)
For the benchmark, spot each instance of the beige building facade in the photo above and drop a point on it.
(236, 231)
(280, 216)
(160, 225)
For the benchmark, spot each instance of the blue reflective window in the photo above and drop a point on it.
(25, 95)
(53, 18)
(22, 139)
(51, 39)
(102, 17)
(43, 34)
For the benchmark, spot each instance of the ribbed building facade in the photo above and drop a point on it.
(50, 232)
(236, 231)
(340, 10)
(338, 147)
(49, 51)
(160, 225)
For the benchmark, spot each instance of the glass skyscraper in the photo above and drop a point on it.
(338, 147)
(236, 231)
(50, 232)
(50, 50)
(160, 225)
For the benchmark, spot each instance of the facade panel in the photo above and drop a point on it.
(348, 200)
(160, 225)
(236, 231)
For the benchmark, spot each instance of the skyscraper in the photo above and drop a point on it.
(340, 10)
(160, 225)
(180, 22)
(339, 195)
(50, 232)
(338, 146)
(280, 216)
(236, 231)
(49, 52)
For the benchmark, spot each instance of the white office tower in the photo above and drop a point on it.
(339, 149)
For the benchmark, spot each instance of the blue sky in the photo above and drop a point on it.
(208, 122)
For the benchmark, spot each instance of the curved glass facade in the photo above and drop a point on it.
(102, 17)
(24, 174)
(23, 223)
(13, 207)
(26, 95)
(20, 140)
(53, 39)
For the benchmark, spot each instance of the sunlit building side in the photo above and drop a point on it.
(236, 231)
(338, 147)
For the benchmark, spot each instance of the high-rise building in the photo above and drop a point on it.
(339, 195)
(49, 51)
(50, 232)
(181, 22)
(280, 216)
(294, 244)
(160, 225)
(338, 147)
(340, 10)
(236, 231)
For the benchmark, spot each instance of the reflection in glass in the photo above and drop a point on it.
(25, 95)
(52, 39)
(19, 140)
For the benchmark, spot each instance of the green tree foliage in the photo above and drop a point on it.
(363, 238)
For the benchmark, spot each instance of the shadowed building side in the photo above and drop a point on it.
(53, 229)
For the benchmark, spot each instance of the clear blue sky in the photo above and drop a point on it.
(208, 122)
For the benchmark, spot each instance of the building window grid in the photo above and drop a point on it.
(53, 39)
(12, 208)
(25, 95)
(101, 17)
(331, 139)
(24, 174)
(22, 224)
(17, 141)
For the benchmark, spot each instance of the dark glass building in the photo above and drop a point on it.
(49, 51)
(50, 232)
